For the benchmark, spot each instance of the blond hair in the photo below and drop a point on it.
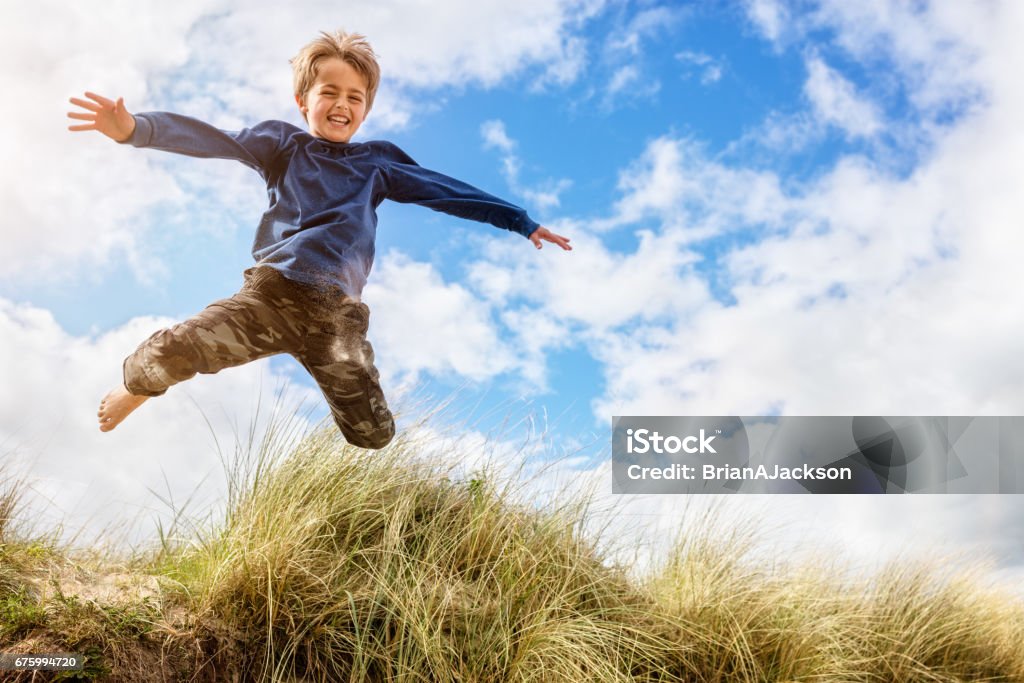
(352, 48)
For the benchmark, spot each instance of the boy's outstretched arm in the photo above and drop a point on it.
(103, 114)
(544, 234)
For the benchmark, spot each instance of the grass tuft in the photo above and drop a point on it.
(332, 563)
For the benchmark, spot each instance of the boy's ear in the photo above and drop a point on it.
(298, 101)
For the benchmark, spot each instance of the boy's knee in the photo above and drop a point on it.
(368, 434)
(373, 439)
(366, 422)
(377, 442)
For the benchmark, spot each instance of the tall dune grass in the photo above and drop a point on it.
(336, 564)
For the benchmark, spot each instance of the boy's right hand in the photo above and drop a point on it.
(106, 116)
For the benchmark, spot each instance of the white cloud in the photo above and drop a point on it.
(626, 86)
(71, 200)
(934, 56)
(935, 47)
(675, 183)
(836, 101)
(544, 195)
(495, 136)
(770, 17)
(777, 134)
(623, 77)
(711, 69)
(882, 296)
(569, 67)
(631, 78)
(422, 324)
(594, 288)
(654, 184)
(645, 24)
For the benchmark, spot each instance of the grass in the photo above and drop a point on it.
(336, 564)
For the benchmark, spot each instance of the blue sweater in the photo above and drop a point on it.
(322, 221)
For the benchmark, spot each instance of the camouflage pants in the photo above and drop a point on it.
(324, 331)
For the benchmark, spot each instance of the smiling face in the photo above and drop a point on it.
(335, 105)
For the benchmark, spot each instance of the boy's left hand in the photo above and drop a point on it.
(543, 233)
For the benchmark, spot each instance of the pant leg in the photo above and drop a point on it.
(256, 322)
(338, 356)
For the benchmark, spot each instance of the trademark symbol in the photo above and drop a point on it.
(718, 431)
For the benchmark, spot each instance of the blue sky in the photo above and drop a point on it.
(795, 208)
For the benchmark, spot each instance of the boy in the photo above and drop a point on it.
(314, 246)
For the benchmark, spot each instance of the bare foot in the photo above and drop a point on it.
(116, 406)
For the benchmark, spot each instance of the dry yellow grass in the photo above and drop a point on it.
(337, 564)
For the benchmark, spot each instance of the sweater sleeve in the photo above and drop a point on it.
(408, 182)
(255, 147)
